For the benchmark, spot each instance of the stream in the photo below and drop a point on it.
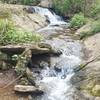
(56, 83)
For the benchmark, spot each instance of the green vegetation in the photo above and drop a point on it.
(71, 7)
(95, 10)
(77, 21)
(25, 2)
(66, 7)
(94, 28)
(9, 34)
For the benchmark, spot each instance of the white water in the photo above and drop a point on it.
(57, 84)
(51, 16)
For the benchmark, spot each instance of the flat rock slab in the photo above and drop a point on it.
(25, 89)
(18, 49)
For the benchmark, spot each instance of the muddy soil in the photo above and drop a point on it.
(7, 92)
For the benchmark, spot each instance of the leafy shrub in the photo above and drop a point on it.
(25, 2)
(67, 7)
(77, 21)
(95, 27)
(95, 12)
(9, 34)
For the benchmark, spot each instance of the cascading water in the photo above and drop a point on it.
(51, 16)
(54, 20)
(57, 83)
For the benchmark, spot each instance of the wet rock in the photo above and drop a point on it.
(58, 69)
(96, 90)
(43, 64)
(30, 76)
(23, 88)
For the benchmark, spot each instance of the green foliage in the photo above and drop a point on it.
(28, 2)
(95, 11)
(77, 21)
(9, 34)
(66, 7)
(95, 27)
(25, 2)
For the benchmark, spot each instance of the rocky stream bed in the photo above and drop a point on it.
(59, 68)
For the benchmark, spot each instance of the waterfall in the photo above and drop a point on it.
(51, 16)
(57, 83)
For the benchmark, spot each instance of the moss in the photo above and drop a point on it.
(22, 62)
(96, 90)
(24, 81)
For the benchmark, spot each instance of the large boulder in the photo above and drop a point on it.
(89, 77)
(22, 18)
(84, 29)
(96, 90)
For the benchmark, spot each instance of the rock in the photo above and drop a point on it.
(23, 81)
(24, 19)
(45, 3)
(97, 98)
(18, 49)
(4, 61)
(84, 29)
(30, 76)
(92, 45)
(96, 90)
(30, 97)
(3, 56)
(89, 76)
(23, 88)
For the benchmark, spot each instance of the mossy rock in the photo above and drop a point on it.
(24, 81)
(96, 90)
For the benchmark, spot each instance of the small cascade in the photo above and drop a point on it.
(57, 83)
(51, 16)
